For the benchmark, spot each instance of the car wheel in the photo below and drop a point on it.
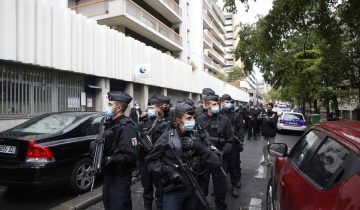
(269, 197)
(80, 181)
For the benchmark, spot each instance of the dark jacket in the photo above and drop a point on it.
(134, 115)
(219, 129)
(269, 124)
(237, 122)
(118, 145)
(161, 157)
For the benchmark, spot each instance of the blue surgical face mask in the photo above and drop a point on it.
(215, 109)
(109, 112)
(228, 106)
(189, 125)
(151, 113)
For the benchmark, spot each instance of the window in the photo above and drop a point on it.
(302, 149)
(94, 127)
(30, 91)
(46, 124)
(327, 162)
(293, 117)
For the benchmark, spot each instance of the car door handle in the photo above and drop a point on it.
(282, 183)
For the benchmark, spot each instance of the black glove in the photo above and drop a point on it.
(173, 174)
(188, 143)
(226, 148)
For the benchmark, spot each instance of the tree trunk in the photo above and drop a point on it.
(310, 106)
(336, 105)
(316, 110)
(303, 107)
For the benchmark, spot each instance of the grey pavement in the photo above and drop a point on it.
(254, 179)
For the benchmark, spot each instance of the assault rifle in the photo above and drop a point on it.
(98, 154)
(190, 179)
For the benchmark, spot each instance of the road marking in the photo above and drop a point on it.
(261, 170)
(255, 204)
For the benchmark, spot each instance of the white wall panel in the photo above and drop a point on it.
(77, 43)
(8, 29)
(61, 38)
(37, 32)
(100, 51)
(43, 47)
(26, 31)
(88, 52)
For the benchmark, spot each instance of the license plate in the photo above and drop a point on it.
(7, 149)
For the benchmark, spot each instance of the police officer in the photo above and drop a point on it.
(238, 129)
(221, 135)
(147, 179)
(203, 109)
(189, 147)
(162, 123)
(119, 153)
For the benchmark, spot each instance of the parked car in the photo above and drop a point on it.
(322, 171)
(291, 121)
(49, 150)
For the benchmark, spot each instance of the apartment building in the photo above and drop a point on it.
(52, 59)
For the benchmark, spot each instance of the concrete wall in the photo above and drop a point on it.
(40, 33)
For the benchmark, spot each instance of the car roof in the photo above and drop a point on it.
(77, 114)
(347, 129)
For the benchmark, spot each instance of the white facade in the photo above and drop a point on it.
(39, 33)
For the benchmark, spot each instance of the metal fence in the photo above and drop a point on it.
(30, 91)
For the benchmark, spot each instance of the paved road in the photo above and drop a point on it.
(254, 178)
(252, 192)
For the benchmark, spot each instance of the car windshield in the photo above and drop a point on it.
(47, 125)
(289, 116)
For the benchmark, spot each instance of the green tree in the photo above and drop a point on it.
(236, 73)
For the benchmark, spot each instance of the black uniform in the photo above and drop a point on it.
(221, 135)
(234, 159)
(121, 157)
(155, 128)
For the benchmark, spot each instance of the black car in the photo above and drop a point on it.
(49, 150)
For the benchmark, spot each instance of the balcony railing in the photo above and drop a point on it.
(207, 39)
(174, 6)
(208, 60)
(150, 21)
(217, 21)
(219, 57)
(217, 42)
(102, 7)
(217, 66)
(92, 9)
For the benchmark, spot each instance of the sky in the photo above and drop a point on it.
(258, 7)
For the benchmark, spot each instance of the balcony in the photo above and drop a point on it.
(207, 41)
(206, 21)
(217, 44)
(127, 13)
(217, 21)
(209, 64)
(167, 8)
(215, 31)
(216, 56)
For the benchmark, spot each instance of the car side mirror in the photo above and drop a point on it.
(278, 149)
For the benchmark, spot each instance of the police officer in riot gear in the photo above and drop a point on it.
(238, 129)
(120, 154)
(161, 123)
(184, 143)
(202, 110)
(147, 179)
(221, 136)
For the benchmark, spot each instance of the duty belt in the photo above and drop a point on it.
(216, 140)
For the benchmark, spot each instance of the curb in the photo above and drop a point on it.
(85, 200)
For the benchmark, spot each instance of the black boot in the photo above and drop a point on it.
(235, 192)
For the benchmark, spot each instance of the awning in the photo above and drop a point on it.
(94, 87)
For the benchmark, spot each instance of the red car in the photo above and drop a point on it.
(322, 171)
